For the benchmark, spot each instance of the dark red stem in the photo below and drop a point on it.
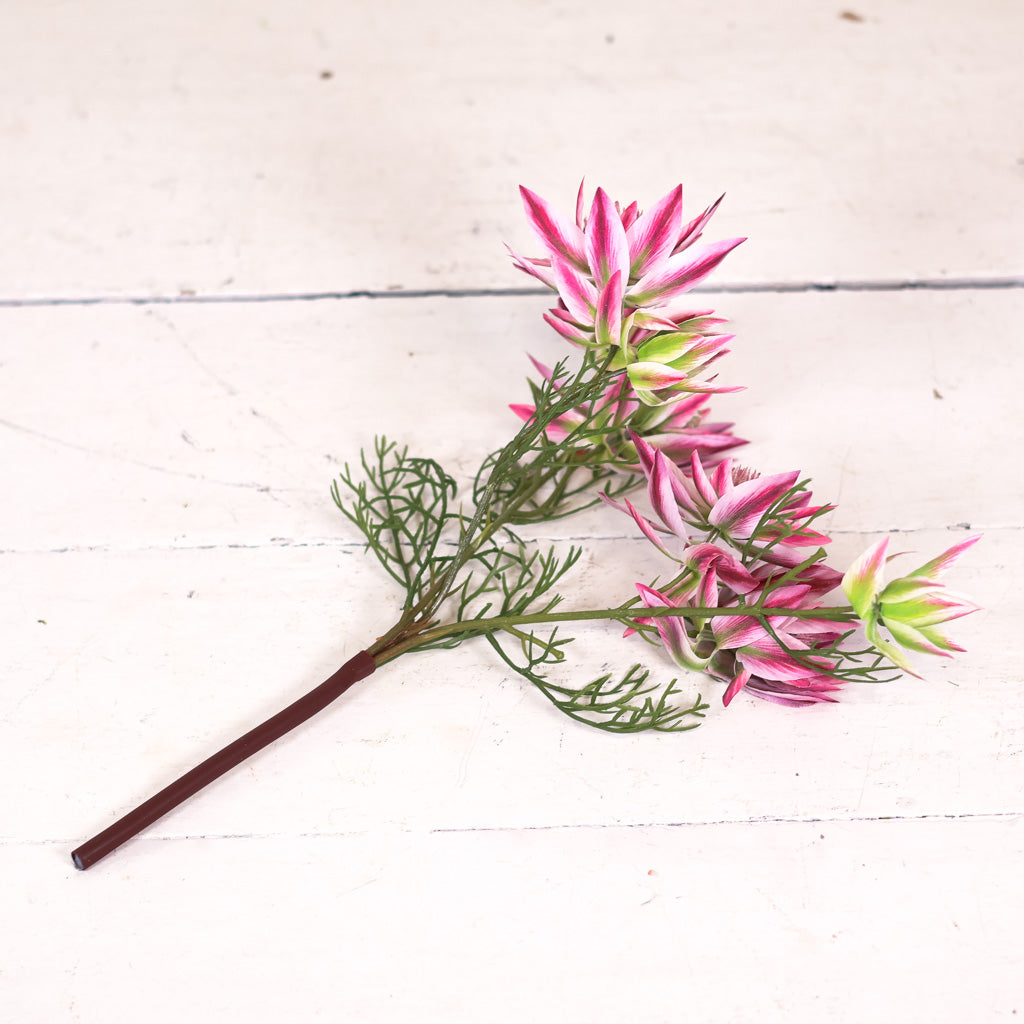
(224, 760)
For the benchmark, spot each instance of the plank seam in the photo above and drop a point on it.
(789, 287)
(342, 546)
(556, 827)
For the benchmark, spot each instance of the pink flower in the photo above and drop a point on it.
(769, 646)
(680, 636)
(796, 691)
(620, 274)
(679, 430)
(774, 658)
(761, 515)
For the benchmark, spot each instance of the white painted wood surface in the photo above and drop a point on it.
(441, 845)
(158, 148)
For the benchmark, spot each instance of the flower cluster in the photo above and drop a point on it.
(621, 277)
(746, 604)
(679, 429)
(752, 576)
(910, 607)
(742, 542)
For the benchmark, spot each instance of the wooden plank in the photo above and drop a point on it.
(191, 426)
(780, 922)
(258, 146)
(123, 670)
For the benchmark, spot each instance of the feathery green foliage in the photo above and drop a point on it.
(468, 573)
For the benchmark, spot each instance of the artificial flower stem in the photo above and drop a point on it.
(385, 652)
(223, 761)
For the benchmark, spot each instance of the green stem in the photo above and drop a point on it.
(388, 652)
(418, 619)
(486, 521)
(481, 526)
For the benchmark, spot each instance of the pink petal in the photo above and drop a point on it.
(686, 409)
(782, 554)
(701, 481)
(667, 493)
(645, 319)
(937, 566)
(524, 412)
(771, 662)
(649, 529)
(791, 695)
(680, 273)
(672, 630)
(644, 452)
(695, 228)
(735, 686)
(556, 429)
(679, 311)
(559, 235)
(789, 595)
(681, 444)
(730, 570)
(655, 376)
(652, 237)
(608, 322)
(821, 578)
(732, 631)
(567, 327)
(739, 511)
(721, 479)
(544, 371)
(540, 269)
(629, 215)
(712, 344)
(767, 658)
(578, 294)
(579, 205)
(707, 589)
(606, 246)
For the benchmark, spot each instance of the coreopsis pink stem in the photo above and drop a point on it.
(224, 760)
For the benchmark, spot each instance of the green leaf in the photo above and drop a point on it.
(628, 704)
